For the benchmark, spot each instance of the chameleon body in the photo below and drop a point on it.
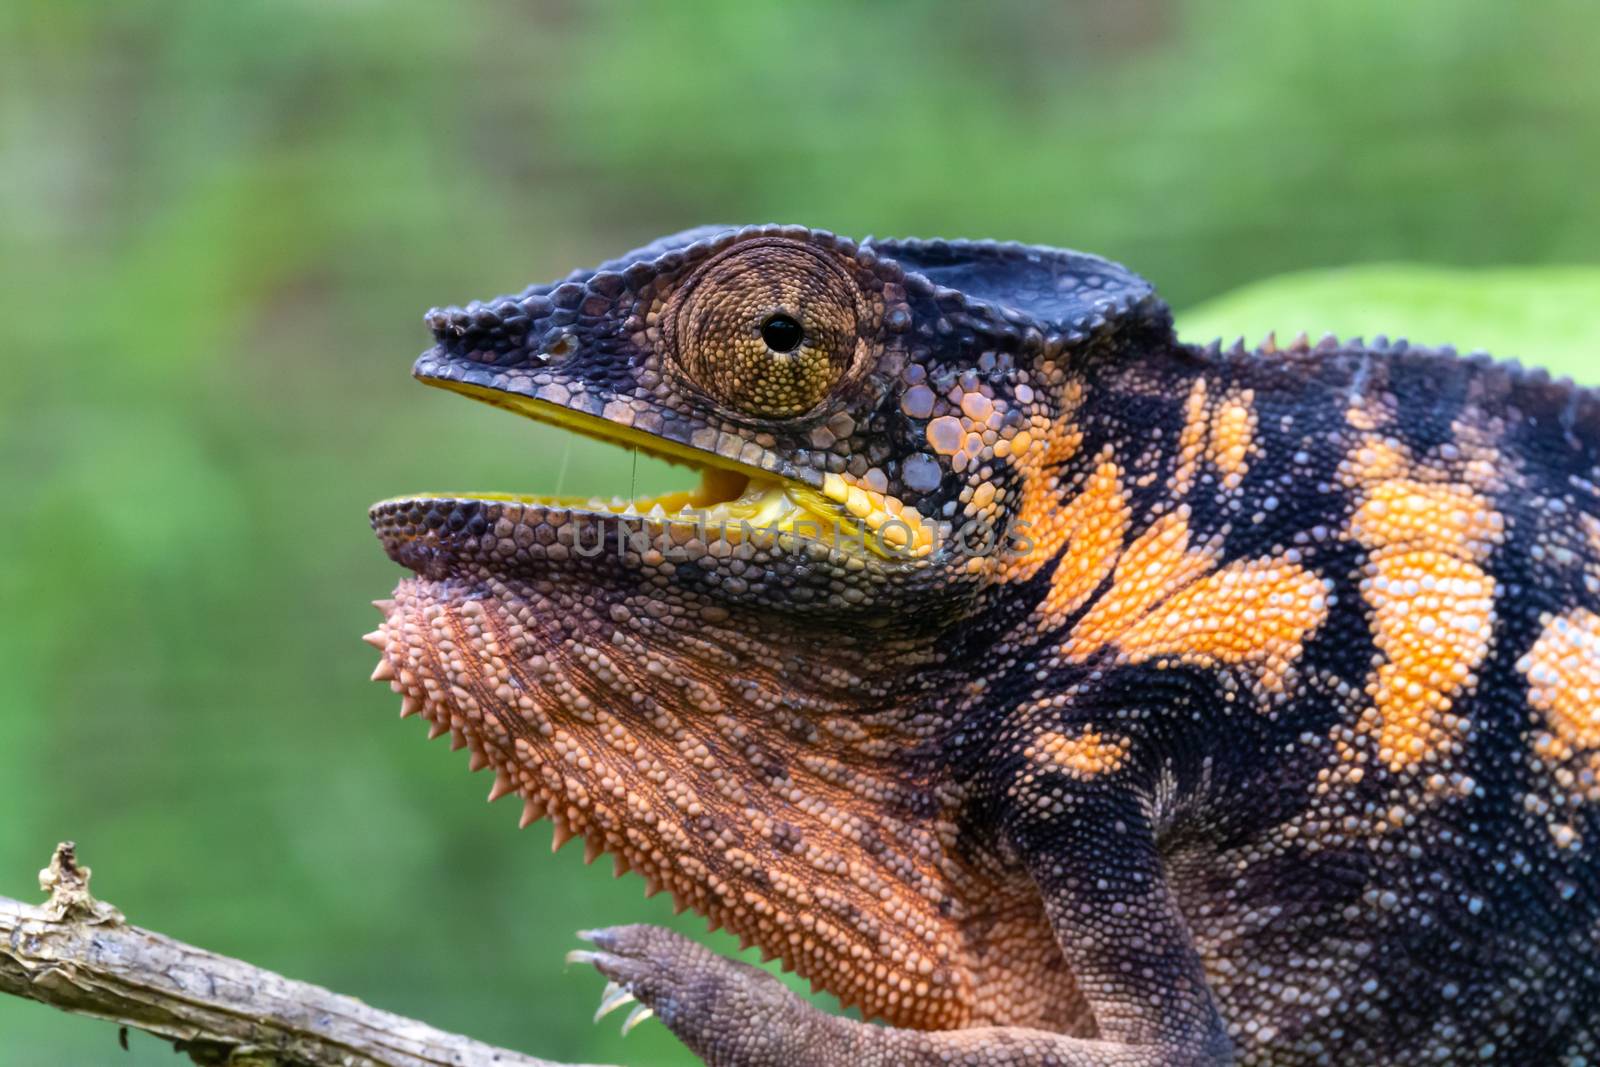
(1047, 688)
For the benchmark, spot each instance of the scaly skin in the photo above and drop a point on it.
(1073, 695)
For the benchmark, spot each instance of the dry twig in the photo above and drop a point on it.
(79, 954)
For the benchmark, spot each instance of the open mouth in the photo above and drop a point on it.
(731, 500)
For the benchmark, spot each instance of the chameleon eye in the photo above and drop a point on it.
(768, 328)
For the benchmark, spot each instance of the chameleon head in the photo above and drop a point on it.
(725, 687)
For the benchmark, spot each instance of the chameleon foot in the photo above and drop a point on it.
(730, 1013)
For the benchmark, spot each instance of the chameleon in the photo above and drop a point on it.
(1046, 688)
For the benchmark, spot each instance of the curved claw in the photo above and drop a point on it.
(613, 998)
(638, 1015)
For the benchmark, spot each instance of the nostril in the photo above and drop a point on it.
(558, 344)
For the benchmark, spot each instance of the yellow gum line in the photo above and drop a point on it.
(886, 517)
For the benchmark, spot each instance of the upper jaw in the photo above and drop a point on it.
(616, 411)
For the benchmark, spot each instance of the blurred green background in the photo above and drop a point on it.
(221, 221)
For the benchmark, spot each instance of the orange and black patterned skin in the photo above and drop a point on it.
(1195, 707)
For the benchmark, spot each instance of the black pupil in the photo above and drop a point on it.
(781, 333)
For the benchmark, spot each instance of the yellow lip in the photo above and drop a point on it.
(732, 498)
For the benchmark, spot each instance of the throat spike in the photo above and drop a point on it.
(532, 811)
(503, 786)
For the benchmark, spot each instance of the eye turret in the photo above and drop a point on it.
(768, 328)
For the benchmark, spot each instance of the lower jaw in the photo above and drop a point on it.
(727, 505)
(433, 534)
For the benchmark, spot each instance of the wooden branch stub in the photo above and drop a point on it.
(79, 955)
(68, 886)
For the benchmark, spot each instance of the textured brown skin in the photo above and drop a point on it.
(1254, 717)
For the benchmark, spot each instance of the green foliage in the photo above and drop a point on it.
(1542, 316)
(220, 223)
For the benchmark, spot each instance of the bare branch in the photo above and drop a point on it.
(78, 954)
